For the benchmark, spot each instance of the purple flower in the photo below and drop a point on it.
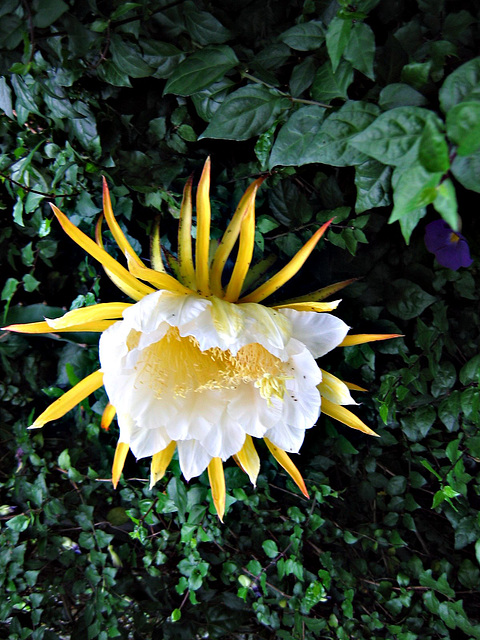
(449, 247)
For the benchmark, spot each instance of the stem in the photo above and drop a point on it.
(245, 74)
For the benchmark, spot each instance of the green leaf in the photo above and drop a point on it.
(110, 73)
(263, 147)
(163, 57)
(200, 70)
(446, 203)
(270, 548)
(441, 585)
(463, 127)
(128, 59)
(416, 74)
(466, 170)
(433, 150)
(305, 139)
(247, 112)
(308, 36)
(394, 134)
(337, 36)
(176, 615)
(400, 95)
(202, 26)
(413, 189)
(360, 50)
(6, 98)
(329, 85)
(9, 289)
(408, 300)
(463, 85)
(18, 523)
(47, 12)
(373, 182)
(208, 101)
(302, 76)
(30, 283)
(470, 372)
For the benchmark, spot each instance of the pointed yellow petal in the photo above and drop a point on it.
(114, 227)
(185, 259)
(229, 239)
(70, 399)
(361, 338)
(245, 251)
(95, 312)
(247, 458)
(118, 462)
(107, 416)
(158, 279)
(345, 416)
(130, 291)
(100, 254)
(156, 248)
(354, 387)
(217, 482)
(202, 246)
(288, 271)
(160, 462)
(319, 307)
(333, 389)
(44, 327)
(284, 461)
(321, 294)
(257, 272)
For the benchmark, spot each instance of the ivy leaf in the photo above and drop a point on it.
(203, 27)
(337, 39)
(408, 299)
(200, 70)
(463, 85)
(247, 112)
(373, 182)
(394, 133)
(329, 85)
(308, 36)
(360, 49)
(463, 127)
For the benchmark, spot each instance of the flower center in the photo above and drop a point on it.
(454, 238)
(176, 365)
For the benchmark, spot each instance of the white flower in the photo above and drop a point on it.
(192, 365)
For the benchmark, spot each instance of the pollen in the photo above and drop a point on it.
(176, 365)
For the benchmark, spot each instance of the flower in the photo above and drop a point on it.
(195, 366)
(449, 247)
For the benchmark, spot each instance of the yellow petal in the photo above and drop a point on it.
(354, 387)
(93, 313)
(185, 259)
(118, 462)
(245, 252)
(229, 239)
(319, 307)
(44, 327)
(288, 271)
(160, 462)
(284, 461)
(158, 279)
(321, 294)
(217, 482)
(361, 338)
(334, 389)
(107, 416)
(156, 248)
(247, 458)
(100, 254)
(202, 246)
(130, 291)
(114, 227)
(70, 399)
(345, 416)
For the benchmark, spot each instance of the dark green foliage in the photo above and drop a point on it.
(353, 109)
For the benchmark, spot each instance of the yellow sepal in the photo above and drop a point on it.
(70, 399)
(185, 259)
(107, 416)
(158, 279)
(93, 313)
(318, 307)
(119, 461)
(284, 461)
(248, 460)
(362, 338)
(43, 327)
(202, 246)
(156, 248)
(160, 462)
(345, 416)
(217, 483)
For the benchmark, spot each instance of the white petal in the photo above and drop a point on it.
(146, 442)
(253, 412)
(193, 458)
(319, 332)
(286, 437)
(225, 438)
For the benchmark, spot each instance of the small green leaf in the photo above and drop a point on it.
(308, 36)
(399, 94)
(6, 98)
(337, 36)
(329, 85)
(466, 170)
(128, 59)
(245, 113)
(18, 523)
(302, 76)
(270, 548)
(202, 26)
(373, 182)
(446, 203)
(48, 11)
(463, 85)
(463, 127)
(360, 49)
(200, 70)
(176, 615)
(433, 150)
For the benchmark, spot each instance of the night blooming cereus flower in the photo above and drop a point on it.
(448, 246)
(195, 366)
